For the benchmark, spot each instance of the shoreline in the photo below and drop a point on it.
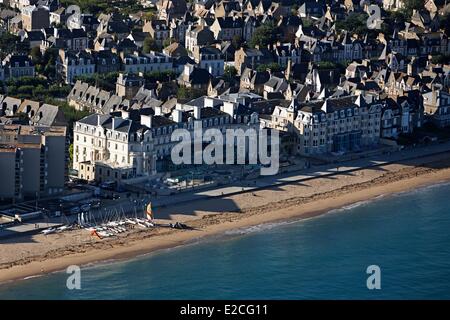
(217, 224)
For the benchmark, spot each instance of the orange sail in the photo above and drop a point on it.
(94, 233)
(149, 211)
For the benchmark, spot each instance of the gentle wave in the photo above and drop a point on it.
(33, 277)
(352, 206)
(260, 227)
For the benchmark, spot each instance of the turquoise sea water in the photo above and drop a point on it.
(406, 235)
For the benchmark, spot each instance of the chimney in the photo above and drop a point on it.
(209, 102)
(287, 73)
(177, 115)
(197, 112)
(146, 121)
(120, 78)
(228, 107)
(125, 115)
(98, 120)
(188, 69)
(158, 111)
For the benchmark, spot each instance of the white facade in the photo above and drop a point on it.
(104, 143)
(153, 62)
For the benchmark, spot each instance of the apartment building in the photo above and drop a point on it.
(113, 147)
(337, 125)
(33, 161)
(341, 124)
(227, 28)
(158, 30)
(74, 63)
(35, 18)
(209, 58)
(16, 66)
(198, 36)
(437, 107)
(151, 62)
(137, 143)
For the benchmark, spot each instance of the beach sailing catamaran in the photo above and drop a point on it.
(112, 222)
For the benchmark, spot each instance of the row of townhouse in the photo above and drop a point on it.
(71, 64)
(16, 66)
(411, 43)
(331, 125)
(279, 53)
(38, 113)
(129, 94)
(345, 124)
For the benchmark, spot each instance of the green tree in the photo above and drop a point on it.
(237, 41)
(264, 35)
(230, 73)
(307, 22)
(440, 59)
(36, 55)
(149, 45)
(189, 93)
(155, 76)
(8, 44)
(168, 42)
(105, 81)
(71, 153)
(355, 22)
(326, 65)
(70, 113)
(394, 19)
(410, 5)
(273, 67)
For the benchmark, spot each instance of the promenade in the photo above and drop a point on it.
(411, 156)
(136, 206)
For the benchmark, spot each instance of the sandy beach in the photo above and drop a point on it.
(39, 254)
